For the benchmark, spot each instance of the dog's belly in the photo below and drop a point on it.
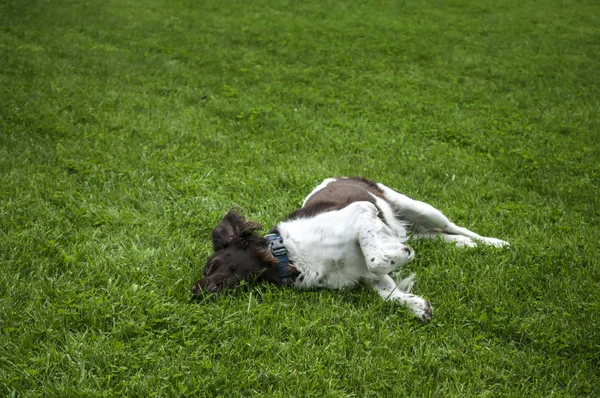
(325, 248)
(336, 266)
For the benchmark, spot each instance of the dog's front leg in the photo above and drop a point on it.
(388, 290)
(382, 250)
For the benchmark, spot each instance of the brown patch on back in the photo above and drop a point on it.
(337, 195)
(361, 182)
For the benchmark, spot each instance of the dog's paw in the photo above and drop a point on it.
(425, 312)
(420, 307)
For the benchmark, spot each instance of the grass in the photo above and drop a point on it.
(127, 129)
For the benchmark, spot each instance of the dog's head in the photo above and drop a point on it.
(239, 255)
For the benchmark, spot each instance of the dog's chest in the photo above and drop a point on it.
(324, 249)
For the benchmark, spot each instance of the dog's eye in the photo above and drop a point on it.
(210, 267)
(207, 269)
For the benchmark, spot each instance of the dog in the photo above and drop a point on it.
(348, 230)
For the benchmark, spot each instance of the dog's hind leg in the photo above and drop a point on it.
(428, 222)
(458, 240)
(388, 290)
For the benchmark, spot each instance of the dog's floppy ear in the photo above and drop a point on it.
(227, 230)
(232, 227)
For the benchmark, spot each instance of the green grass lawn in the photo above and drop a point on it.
(128, 129)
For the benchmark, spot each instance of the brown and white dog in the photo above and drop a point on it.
(349, 230)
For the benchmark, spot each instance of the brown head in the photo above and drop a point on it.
(239, 255)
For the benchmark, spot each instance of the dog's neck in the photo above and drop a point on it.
(287, 272)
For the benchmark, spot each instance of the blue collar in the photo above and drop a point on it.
(275, 243)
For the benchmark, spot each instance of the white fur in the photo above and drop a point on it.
(341, 248)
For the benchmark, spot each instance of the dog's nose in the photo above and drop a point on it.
(209, 287)
(408, 250)
(195, 289)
